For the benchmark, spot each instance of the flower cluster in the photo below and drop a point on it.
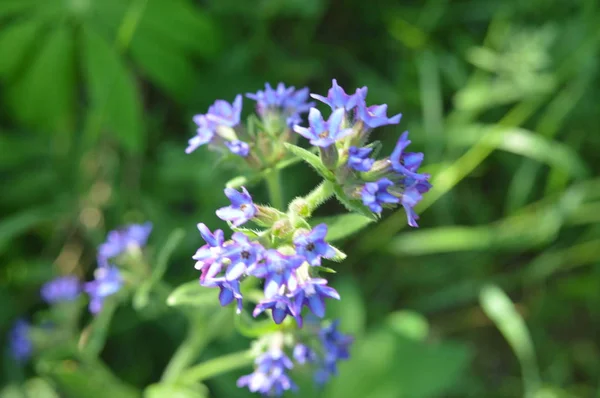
(342, 142)
(321, 347)
(107, 277)
(64, 288)
(260, 140)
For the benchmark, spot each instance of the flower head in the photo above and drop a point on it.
(375, 194)
(65, 288)
(359, 160)
(238, 147)
(312, 293)
(285, 101)
(270, 376)
(335, 346)
(280, 307)
(21, 346)
(407, 163)
(322, 133)
(204, 133)
(209, 257)
(410, 197)
(241, 210)
(121, 240)
(337, 97)
(229, 290)
(375, 115)
(107, 281)
(278, 270)
(312, 245)
(304, 354)
(222, 113)
(242, 254)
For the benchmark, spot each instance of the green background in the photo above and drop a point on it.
(495, 295)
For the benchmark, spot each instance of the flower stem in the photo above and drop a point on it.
(319, 195)
(186, 353)
(274, 187)
(217, 366)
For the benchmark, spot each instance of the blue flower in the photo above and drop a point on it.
(304, 354)
(278, 270)
(222, 113)
(120, 240)
(66, 288)
(107, 281)
(338, 99)
(286, 101)
(241, 210)
(204, 133)
(279, 305)
(312, 293)
(229, 290)
(335, 347)
(270, 376)
(407, 163)
(410, 197)
(209, 257)
(375, 115)
(242, 253)
(321, 133)
(359, 160)
(21, 346)
(238, 147)
(375, 194)
(312, 245)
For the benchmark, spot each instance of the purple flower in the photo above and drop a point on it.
(242, 253)
(107, 281)
(241, 210)
(238, 147)
(209, 257)
(312, 245)
(270, 376)
(338, 99)
(375, 194)
(229, 290)
(335, 347)
(19, 342)
(304, 354)
(359, 160)
(407, 163)
(66, 288)
(286, 101)
(204, 134)
(375, 115)
(120, 240)
(312, 293)
(278, 270)
(280, 307)
(410, 197)
(222, 113)
(321, 133)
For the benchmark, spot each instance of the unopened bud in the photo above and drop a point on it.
(300, 207)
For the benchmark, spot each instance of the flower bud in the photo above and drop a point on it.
(300, 207)
(329, 156)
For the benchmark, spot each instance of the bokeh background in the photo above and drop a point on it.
(496, 295)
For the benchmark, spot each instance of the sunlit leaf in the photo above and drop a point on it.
(313, 160)
(193, 294)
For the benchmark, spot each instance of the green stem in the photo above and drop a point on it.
(186, 353)
(217, 366)
(274, 187)
(319, 195)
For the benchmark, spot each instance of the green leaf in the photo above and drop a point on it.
(176, 391)
(193, 294)
(44, 95)
(320, 268)
(353, 205)
(312, 159)
(343, 225)
(17, 40)
(251, 328)
(114, 99)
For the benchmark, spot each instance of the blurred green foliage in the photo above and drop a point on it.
(495, 295)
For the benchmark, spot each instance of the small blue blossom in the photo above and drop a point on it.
(107, 281)
(407, 163)
(121, 240)
(287, 101)
(238, 147)
(335, 347)
(280, 307)
(375, 115)
(209, 257)
(222, 113)
(312, 245)
(304, 354)
(229, 290)
(270, 376)
(242, 254)
(21, 346)
(338, 99)
(312, 293)
(278, 270)
(359, 160)
(410, 197)
(204, 134)
(65, 288)
(242, 207)
(375, 194)
(322, 133)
